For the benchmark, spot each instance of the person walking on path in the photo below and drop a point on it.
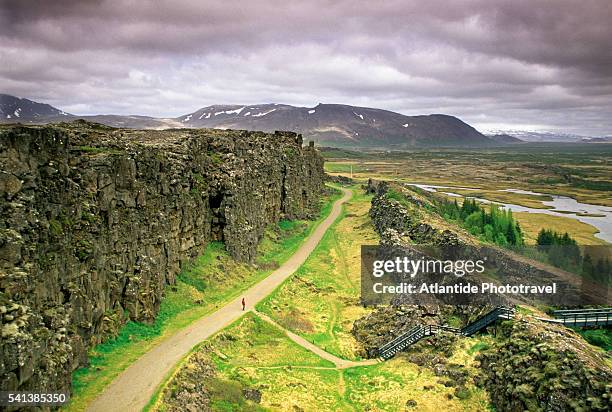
(243, 303)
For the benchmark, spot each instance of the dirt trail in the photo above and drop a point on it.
(134, 387)
(339, 362)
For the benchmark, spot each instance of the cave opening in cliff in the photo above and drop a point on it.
(218, 218)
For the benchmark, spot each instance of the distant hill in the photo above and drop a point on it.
(542, 136)
(606, 139)
(342, 125)
(505, 139)
(15, 109)
(328, 124)
(18, 110)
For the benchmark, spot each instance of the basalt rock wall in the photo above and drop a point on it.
(95, 221)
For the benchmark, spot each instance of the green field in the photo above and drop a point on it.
(252, 354)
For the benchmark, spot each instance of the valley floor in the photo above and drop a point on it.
(296, 352)
(578, 172)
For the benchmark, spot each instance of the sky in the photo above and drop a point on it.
(499, 65)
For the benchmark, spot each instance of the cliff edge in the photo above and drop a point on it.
(95, 221)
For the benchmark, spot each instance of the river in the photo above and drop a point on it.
(556, 206)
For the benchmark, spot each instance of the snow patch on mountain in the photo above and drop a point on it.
(260, 114)
(237, 111)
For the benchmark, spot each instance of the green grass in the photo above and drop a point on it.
(337, 167)
(598, 337)
(254, 353)
(388, 386)
(478, 347)
(287, 225)
(399, 197)
(321, 301)
(193, 275)
(211, 280)
(232, 352)
(524, 310)
(233, 347)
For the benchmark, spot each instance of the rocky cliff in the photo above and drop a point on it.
(536, 366)
(95, 221)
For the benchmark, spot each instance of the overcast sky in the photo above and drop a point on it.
(532, 64)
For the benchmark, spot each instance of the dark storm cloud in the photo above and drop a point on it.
(535, 63)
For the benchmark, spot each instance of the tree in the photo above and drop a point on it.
(511, 235)
(474, 220)
(588, 269)
(545, 238)
(501, 240)
(488, 233)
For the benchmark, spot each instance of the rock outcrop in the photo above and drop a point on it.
(95, 221)
(545, 367)
(404, 218)
(388, 322)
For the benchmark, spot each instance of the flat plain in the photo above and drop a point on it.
(579, 171)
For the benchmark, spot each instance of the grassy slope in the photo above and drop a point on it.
(254, 354)
(212, 280)
(257, 354)
(598, 337)
(321, 301)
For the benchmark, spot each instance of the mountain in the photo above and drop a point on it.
(605, 139)
(334, 125)
(15, 109)
(132, 121)
(341, 125)
(18, 110)
(505, 139)
(542, 137)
